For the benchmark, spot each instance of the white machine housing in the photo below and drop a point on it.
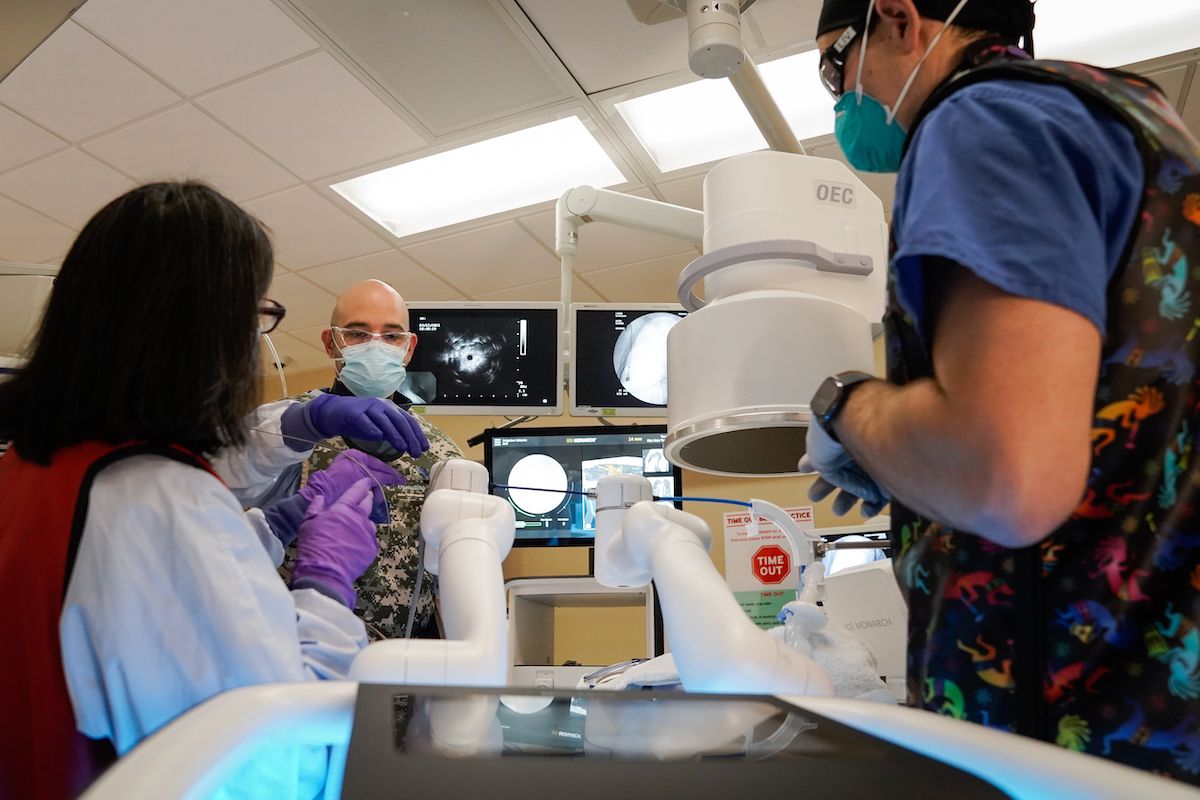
(716, 646)
(866, 601)
(794, 276)
(467, 533)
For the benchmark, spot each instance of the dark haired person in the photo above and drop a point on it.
(135, 582)
(1037, 431)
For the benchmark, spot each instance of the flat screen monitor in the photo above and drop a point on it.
(619, 358)
(551, 465)
(486, 358)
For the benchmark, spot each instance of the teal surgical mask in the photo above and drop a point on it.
(865, 128)
(869, 136)
(373, 369)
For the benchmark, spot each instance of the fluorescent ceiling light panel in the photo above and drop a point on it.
(705, 120)
(510, 171)
(1113, 33)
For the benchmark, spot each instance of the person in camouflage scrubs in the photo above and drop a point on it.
(385, 591)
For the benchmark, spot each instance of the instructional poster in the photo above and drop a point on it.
(759, 568)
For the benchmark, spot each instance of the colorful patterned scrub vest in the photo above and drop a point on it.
(385, 591)
(1088, 639)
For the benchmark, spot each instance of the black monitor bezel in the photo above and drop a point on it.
(496, 409)
(575, 408)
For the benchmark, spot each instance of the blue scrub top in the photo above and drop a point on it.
(1025, 184)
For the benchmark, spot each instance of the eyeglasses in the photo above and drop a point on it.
(348, 337)
(833, 62)
(270, 314)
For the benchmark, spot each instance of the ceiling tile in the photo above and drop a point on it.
(605, 46)
(69, 186)
(407, 277)
(28, 237)
(648, 282)
(685, 191)
(631, 51)
(605, 244)
(487, 259)
(307, 305)
(297, 355)
(77, 86)
(314, 117)
(309, 230)
(1171, 81)
(772, 25)
(23, 141)
(1191, 106)
(488, 73)
(186, 142)
(312, 337)
(196, 46)
(547, 291)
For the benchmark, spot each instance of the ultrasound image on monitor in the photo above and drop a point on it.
(476, 358)
(620, 357)
(543, 471)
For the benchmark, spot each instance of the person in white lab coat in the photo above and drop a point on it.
(143, 586)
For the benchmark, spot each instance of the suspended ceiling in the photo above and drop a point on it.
(273, 101)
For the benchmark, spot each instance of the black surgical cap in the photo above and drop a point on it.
(1009, 18)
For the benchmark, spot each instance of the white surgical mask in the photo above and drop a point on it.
(373, 369)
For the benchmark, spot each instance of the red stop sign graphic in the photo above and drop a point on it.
(771, 564)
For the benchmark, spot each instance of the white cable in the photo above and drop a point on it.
(278, 363)
(862, 57)
(912, 76)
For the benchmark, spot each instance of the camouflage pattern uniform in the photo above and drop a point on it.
(385, 591)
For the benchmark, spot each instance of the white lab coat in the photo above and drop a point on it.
(175, 597)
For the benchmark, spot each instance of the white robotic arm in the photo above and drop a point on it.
(717, 648)
(467, 534)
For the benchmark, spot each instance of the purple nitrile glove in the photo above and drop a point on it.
(336, 544)
(347, 468)
(372, 419)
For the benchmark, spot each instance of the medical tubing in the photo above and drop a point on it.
(278, 363)
(726, 501)
(416, 595)
(542, 489)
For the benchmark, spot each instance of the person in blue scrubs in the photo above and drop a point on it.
(1037, 428)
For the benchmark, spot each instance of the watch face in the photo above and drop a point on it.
(825, 397)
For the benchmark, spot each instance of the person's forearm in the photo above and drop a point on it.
(915, 444)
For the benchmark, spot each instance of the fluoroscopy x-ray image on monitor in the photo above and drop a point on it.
(478, 357)
(621, 356)
(546, 469)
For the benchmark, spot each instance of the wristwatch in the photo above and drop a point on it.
(831, 397)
